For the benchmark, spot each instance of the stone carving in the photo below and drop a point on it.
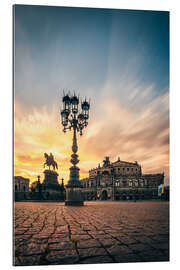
(106, 162)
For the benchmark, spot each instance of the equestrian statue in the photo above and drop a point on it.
(50, 161)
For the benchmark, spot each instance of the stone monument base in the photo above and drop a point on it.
(50, 178)
(74, 203)
(74, 196)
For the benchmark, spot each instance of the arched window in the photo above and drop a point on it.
(16, 188)
(130, 183)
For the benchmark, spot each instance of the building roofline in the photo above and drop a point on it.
(18, 177)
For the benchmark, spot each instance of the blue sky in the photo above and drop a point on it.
(118, 58)
(81, 49)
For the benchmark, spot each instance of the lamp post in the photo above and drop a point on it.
(75, 118)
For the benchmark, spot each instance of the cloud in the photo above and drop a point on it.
(141, 135)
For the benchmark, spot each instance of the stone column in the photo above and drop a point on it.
(73, 188)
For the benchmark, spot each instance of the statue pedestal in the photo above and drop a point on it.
(50, 178)
(74, 189)
(74, 196)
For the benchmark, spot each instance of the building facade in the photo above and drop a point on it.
(120, 180)
(21, 184)
(21, 187)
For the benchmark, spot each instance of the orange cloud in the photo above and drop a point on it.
(38, 132)
(113, 130)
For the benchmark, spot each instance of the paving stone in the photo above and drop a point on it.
(108, 242)
(32, 248)
(64, 256)
(138, 248)
(143, 239)
(57, 238)
(90, 243)
(91, 252)
(161, 245)
(127, 240)
(28, 260)
(98, 233)
(61, 229)
(61, 245)
(20, 231)
(119, 250)
(97, 259)
(127, 258)
(81, 236)
(101, 236)
(157, 257)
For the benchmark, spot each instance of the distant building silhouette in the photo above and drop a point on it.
(49, 189)
(21, 187)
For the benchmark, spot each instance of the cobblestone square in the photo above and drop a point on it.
(100, 232)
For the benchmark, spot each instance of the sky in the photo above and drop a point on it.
(117, 58)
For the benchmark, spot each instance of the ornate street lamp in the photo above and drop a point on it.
(73, 117)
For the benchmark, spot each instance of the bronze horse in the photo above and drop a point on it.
(50, 161)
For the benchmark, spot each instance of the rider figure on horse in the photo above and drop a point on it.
(50, 161)
(51, 158)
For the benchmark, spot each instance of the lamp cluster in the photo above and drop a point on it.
(73, 115)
